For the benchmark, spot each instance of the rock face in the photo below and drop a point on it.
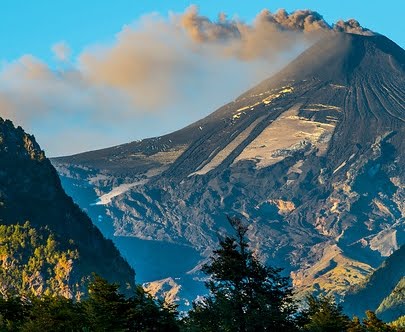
(166, 289)
(30, 190)
(313, 158)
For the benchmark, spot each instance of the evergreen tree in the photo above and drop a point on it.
(356, 326)
(106, 308)
(373, 324)
(324, 315)
(146, 314)
(244, 295)
(13, 313)
(54, 313)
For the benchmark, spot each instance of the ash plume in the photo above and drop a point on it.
(352, 26)
(155, 70)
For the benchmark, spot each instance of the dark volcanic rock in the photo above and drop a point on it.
(313, 158)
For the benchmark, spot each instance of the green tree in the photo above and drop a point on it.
(373, 324)
(356, 326)
(244, 294)
(13, 313)
(324, 315)
(105, 307)
(56, 313)
(147, 314)
(109, 310)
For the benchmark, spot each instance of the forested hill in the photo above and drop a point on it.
(46, 238)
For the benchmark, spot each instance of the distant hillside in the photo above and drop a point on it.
(384, 292)
(59, 248)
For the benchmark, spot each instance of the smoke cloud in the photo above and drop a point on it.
(158, 75)
(61, 51)
(352, 26)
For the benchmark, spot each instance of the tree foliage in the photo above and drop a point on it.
(323, 314)
(108, 310)
(244, 294)
(104, 310)
(373, 324)
(32, 262)
(399, 324)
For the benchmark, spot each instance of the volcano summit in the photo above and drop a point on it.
(313, 158)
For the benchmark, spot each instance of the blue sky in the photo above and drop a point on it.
(32, 27)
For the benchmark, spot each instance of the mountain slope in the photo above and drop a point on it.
(384, 291)
(30, 190)
(313, 158)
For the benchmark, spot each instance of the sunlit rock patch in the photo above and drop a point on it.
(331, 271)
(166, 289)
(285, 135)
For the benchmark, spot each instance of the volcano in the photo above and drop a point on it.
(312, 158)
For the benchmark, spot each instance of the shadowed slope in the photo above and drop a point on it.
(30, 189)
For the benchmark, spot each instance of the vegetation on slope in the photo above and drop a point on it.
(384, 292)
(30, 189)
(399, 323)
(393, 305)
(32, 263)
(244, 295)
(106, 309)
